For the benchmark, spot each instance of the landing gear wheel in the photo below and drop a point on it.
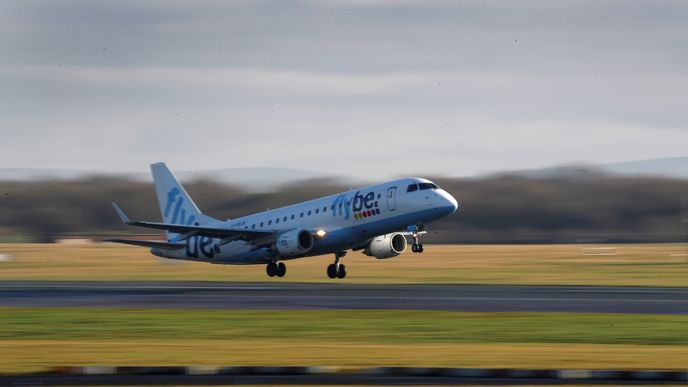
(417, 231)
(332, 271)
(337, 270)
(271, 269)
(341, 271)
(281, 269)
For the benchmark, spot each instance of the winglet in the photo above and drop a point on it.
(121, 214)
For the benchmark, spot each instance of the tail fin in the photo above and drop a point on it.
(176, 206)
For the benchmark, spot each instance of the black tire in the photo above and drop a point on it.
(332, 271)
(341, 271)
(414, 248)
(271, 269)
(281, 269)
(420, 248)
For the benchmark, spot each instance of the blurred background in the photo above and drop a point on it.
(558, 205)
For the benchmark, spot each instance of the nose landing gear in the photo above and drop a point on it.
(416, 231)
(276, 268)
(336, 269)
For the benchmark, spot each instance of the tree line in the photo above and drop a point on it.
(584, 206)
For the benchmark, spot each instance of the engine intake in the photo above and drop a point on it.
(295, 242)
(386, 246)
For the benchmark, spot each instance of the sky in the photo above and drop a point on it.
(356, 87)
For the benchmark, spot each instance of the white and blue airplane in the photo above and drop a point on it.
(376, 219)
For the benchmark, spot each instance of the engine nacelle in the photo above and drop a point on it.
(386, 246)
(295, 242)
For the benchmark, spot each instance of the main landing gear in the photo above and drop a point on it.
(336, 269)
(276, 268)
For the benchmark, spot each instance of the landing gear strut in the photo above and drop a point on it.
(336, 269)
(276, 268)
(416, 232)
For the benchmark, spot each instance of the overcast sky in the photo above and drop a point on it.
(360, 88)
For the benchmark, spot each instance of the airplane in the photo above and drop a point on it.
(375, 219)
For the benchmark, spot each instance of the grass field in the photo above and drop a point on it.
(643, 265)
(35, 338)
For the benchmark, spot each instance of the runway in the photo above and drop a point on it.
(295, 296)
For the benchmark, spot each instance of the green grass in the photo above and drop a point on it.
(34, 339)
(343, 326)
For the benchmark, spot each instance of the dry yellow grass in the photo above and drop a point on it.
(645, 265)
(30, 355)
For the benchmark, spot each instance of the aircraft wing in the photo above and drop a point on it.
(155, 244)
(190, 230)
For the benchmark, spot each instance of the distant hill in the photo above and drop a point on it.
(256, 179)
(251, 179)
(34, 174)
(267, 179)
(669, 167)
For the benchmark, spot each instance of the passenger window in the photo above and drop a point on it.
(412, 187)
(309, 212)
(285, 219)
(261, 224)
(324, 208)
(317, 210)
(292, 217)
(302, 214)
(276, 220)
(270, 222)
(253, 225)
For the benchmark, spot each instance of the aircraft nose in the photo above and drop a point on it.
(449, 202)
(452, 202)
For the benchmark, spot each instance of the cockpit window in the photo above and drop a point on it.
(427, 186)
(412, 187)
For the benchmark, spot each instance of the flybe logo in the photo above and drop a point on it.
(361, 205)
(341, 206)
(179, 213)
(176, 213)
(365, 206)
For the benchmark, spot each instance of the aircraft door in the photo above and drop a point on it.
(392, 198)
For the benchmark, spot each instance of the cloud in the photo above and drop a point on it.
(203, 79)
(350, 87)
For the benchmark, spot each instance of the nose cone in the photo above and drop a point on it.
(450, 203)
(454, 204)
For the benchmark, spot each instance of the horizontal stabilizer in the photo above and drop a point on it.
(155, 244)
(122, 216)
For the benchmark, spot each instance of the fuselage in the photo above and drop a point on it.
(343, 221)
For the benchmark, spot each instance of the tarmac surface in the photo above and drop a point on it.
(340, 295)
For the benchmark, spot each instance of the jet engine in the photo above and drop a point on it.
(295, 242)
(386, 246)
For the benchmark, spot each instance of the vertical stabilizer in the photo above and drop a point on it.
(176, 207)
